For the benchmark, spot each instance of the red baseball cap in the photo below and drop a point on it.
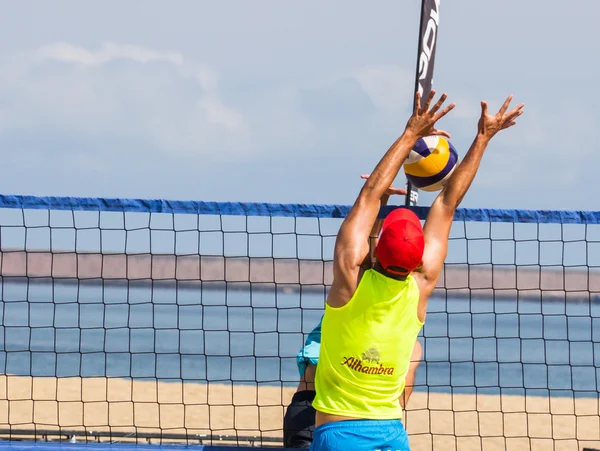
(401, 244)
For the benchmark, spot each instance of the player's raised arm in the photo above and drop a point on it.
(440, 217)
(352, 244)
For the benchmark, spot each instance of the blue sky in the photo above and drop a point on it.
(288, 102)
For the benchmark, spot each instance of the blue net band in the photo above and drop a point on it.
(284, 210)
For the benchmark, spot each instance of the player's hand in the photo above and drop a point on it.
(422, 122)
(489, 124)
(391, 190)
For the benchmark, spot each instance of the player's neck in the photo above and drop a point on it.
(377, 267)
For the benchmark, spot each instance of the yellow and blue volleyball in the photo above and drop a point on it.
(431, 163)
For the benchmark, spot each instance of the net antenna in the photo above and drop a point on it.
(428, 32)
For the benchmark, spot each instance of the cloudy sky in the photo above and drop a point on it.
(288, 101)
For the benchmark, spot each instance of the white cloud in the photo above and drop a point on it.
(389, 87)
(122, 91)
(68, 53)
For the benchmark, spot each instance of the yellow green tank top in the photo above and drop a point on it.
(366, 347)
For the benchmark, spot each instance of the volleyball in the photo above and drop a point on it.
(430, 163)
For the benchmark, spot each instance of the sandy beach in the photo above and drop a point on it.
(433, 420)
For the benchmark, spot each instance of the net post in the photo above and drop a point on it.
(430, 18)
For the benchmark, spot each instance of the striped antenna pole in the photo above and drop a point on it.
(428, 31)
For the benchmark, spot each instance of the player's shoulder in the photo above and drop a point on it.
(343, 288)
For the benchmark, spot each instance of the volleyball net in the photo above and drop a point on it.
(157, 321)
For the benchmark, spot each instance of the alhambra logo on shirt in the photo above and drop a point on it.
(368, 363)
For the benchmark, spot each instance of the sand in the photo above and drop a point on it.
(433, 420)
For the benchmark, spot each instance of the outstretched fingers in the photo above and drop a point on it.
(398, 191)
(510, 118)
(504, 107)
(491, 124)
(417, 105)
(439, 103)
(515, 112)
(445, 111)
(429, 100)
(508, 125)
(423, 120)
(484, 108)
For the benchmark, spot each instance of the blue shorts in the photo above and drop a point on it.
(361, 435)
(310, 352)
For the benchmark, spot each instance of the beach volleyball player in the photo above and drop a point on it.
(299, 419)
(372, 317)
